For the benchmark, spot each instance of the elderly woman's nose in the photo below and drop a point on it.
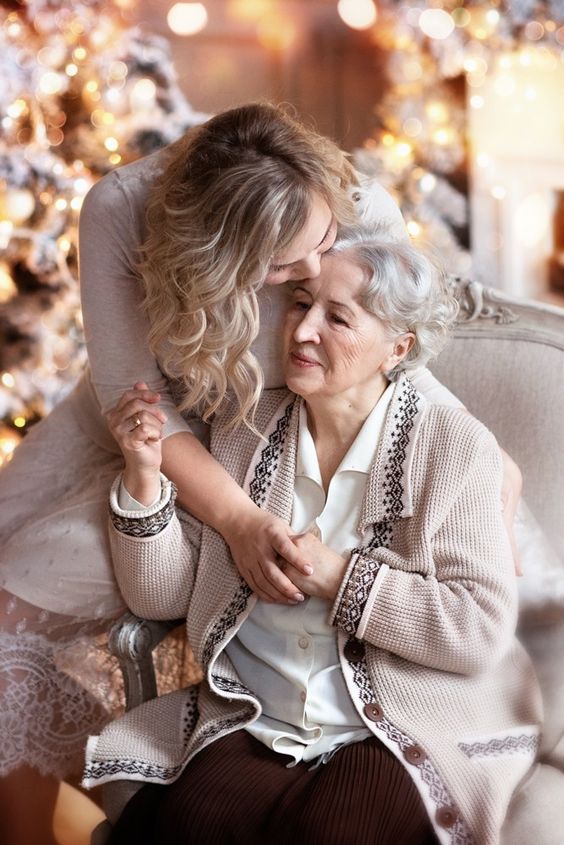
(307, 330)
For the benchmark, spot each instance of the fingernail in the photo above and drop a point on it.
(308, 569)
(299, 597)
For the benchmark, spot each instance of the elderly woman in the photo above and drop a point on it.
(394, 705)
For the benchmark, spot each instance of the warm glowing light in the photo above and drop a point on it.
(144, 94)
(81, 186)
(50, 83)
(61, 204)
(249, 10)
(64, 244)
(16, 205)
(492, 17)
(476, 67)
(76, 203)
(187, 18)
(532, 219)
(6, 229)
(436, 23)
(428, 183)
(20, 422)
(8, 380)
(7, 285)
(71, 69)
(115, 158)
(79, 54)
(17, 108)
(437, 111)
(108, 119)
(358, 14)
(9, 439)
(498, 192)
(111, 144)
(413, 228)
(476, 101)
(403, 149)
(388, 139)
(91, 86)
(443, 136)
(276, 33)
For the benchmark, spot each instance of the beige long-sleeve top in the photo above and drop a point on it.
(425, 615)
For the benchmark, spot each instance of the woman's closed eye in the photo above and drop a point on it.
(338, 320)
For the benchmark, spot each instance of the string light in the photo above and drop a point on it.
(187, 18)
(436, 23)
(358, 14)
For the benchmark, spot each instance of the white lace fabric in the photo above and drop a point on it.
(59, 684)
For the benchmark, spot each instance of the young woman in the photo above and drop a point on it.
(393, 707)
(182, 258)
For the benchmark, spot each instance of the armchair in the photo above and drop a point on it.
(500, 344)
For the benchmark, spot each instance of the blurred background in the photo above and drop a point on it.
(457, 107)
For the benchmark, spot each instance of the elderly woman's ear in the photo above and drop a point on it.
(402, 344)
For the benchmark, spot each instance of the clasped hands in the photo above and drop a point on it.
(278, 565)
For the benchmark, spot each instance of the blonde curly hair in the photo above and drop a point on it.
(234, 192)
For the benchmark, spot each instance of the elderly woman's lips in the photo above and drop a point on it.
(303, 360)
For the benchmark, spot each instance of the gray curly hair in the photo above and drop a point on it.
(404, 289)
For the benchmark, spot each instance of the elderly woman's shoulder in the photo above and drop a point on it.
(458, 431)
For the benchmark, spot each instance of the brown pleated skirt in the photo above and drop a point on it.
(239, 792)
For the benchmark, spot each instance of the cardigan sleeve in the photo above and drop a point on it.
(155, 552)
(458, 611)
(116, 329)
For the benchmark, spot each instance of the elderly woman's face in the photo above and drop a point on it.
(332, 345)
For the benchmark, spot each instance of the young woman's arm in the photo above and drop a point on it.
(111, 232)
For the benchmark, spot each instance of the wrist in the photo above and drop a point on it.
(142, 485)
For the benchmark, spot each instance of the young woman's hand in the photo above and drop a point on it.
(328, 568)
(136, 423)
(262, 545)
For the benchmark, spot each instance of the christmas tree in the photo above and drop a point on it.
(439, 57)
(83, 91)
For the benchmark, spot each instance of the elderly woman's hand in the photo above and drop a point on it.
(328, 568)
(136, 423)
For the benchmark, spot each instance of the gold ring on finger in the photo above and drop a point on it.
(136, 423)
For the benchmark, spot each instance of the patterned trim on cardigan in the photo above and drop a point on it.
(496, 747)
(145, 526)
(230, 686)
(122, 768)
(459, 833)
(362, 572)
(395, 467)
(269, 459)
(258, 490)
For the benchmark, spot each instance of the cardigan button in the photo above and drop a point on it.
(415, 755)
(354, 650)
(446, 816)
(373, 712)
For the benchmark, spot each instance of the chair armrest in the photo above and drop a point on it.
(132, 640)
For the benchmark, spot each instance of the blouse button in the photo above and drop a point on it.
(354, 650)
(373, 711)
(356, 196)
(446, 816)
(303, 642)
(415, 755)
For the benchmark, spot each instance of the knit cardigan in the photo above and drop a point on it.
(424, 618)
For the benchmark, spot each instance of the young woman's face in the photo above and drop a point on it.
(301, 258)
(332, 345)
